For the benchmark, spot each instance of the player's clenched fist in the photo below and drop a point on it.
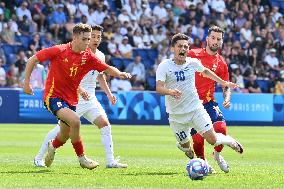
(27, 88)
(176, 93)
(125, 75)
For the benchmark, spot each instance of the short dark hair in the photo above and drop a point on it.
(79, 28)
(97, 27)
(177, 37)
(216, 29)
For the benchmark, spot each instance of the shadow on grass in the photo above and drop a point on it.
(28, 172)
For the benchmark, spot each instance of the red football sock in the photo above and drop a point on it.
(78, 147)
(56, 143)
(220, 127)
(198, 145)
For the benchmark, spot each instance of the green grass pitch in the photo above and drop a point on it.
(153, 159)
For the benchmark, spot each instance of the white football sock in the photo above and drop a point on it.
(107, 142)
(223, 139)
(50, 135)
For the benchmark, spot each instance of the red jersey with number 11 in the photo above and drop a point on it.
(216, 63)
(66, 70)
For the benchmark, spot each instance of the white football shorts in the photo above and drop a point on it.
(90, 110)
(181, 124)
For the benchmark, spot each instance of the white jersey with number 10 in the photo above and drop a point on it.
(181, 77)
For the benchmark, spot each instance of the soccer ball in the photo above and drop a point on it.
(197, 169)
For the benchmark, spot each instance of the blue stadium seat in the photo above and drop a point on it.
(127, 61)
(148, 63)
(117, 62)
(9, 49)
(152, 5)
(151, 83)
(24, 40)
(11, 58)
(264, 85)
(152, 54)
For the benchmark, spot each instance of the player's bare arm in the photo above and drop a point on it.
(27, 88)
(161, 89)
(227, 97)
(116, 73)
(208, 73)
(103, 84)
(84, 93)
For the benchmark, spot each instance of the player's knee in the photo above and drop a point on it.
(210, 137)
(101, 122)
(76, 122)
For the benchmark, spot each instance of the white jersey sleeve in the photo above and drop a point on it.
(196, 64)
(161, 72)
(89, 81)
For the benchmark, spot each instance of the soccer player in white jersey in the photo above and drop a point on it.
(90, 108)
(175, 79)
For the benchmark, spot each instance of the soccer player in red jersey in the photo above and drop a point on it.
(210, 58)
(69, 63)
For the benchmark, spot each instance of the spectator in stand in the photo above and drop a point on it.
(125, 48)
(5, 11)
(246, 33)
(278, 88)
(123, 16)
(83, 8)
(2, 22)
(2, 74)
(13, 76)
(240, 20)
(38, 77)
(23, 10)
(21, 63)
(35, 44)
(37, 12)
(272, 60)
(239, 78)
(68, 28)
(117, 35)
(159, 11)
(252, 85)
(71, 7)
(118, 84)
(137, 70)
(27, 27)
(218, 6)
(58, 21)
(2, 56)
(47, 41)
(112, 48)
(8, 35)
(99, 15)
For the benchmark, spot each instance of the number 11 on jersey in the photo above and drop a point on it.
(73, 71)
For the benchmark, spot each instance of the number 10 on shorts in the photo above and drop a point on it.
(181, 135)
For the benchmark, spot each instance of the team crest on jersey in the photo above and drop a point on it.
(65, 60)
(84, 59)
(59, 104)
(214, 67)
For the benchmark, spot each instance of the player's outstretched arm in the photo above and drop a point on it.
(227, 97)
(161, 89)
(28, 71)
(208, 73)
(103, 84)
(116, 73)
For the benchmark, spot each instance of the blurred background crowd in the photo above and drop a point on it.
(137, 32)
